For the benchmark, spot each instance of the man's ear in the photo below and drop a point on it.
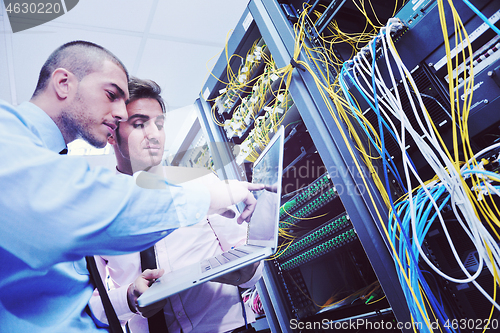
(111, 139)
(63, 82)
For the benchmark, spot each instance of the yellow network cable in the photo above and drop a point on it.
(341, 104)
(360, 294)
(210, 72)
(329, 303)
(280, 251)
(369, 303)
(454, 95)
(290, 224)
(322, 89)
(237, 82)
(305, 218)
(461, 118)
(286, 235)
(485, 210)
(330, 92)
(253, 103)
(429, 306)
(352, 39)
(362, 9)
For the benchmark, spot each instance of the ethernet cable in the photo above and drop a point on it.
(433, 149)
(435, 159)
(481, 15)
(449, 240)
(421, 124)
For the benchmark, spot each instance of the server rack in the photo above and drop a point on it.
(319, 139)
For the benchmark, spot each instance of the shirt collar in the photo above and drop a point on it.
(42, 125)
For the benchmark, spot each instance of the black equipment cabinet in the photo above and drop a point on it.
(338, 270)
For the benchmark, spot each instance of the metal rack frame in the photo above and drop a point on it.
(268, 20)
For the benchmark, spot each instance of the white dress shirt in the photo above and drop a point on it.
(210, 307)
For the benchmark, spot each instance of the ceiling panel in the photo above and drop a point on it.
(171, 44)
(179, 68)
(198, 20)
(128, 15)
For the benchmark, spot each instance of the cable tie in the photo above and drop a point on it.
(296, 65)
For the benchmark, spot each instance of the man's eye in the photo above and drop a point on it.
(111, 96)
(138, 125)
(159, 126)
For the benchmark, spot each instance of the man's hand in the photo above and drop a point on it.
(138, 287)
(240, 276)
(226, 193)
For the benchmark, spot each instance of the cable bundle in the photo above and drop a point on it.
(411, 219)
(461, 183)
(252, 299)
(450, 186)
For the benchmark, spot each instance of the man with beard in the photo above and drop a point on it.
(56, 211)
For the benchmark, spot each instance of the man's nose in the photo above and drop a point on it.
(151, 130)
(119, 111)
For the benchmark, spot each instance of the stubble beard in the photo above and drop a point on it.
(76, 123)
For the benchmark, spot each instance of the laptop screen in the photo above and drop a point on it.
(267, 170)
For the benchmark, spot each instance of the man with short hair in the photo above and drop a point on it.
(211, 307)
(55, 210)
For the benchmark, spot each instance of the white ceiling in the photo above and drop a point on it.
(170, 42)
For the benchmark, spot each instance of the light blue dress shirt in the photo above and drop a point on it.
(54, 211)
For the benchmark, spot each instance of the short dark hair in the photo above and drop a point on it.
(139, 89)
(79, 57)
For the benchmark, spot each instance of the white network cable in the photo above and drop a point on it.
(429, 145)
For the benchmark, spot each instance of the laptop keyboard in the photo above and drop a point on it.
(222, 258)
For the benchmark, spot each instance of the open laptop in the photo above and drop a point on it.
(262, 232)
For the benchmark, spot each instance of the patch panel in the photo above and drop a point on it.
(253, 105)
(312, 206)
(251, 67)
(320, 250)
(263, 131)
(303, 280)
(326, 231)
(305, 195)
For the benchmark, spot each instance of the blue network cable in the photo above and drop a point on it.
(481, 15)
(424, 208)
(484, 172)
(415, 271)
(382, 153)
(423, 223)
(404, 243)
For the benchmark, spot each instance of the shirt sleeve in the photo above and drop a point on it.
(56, 209)
(117, 295)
